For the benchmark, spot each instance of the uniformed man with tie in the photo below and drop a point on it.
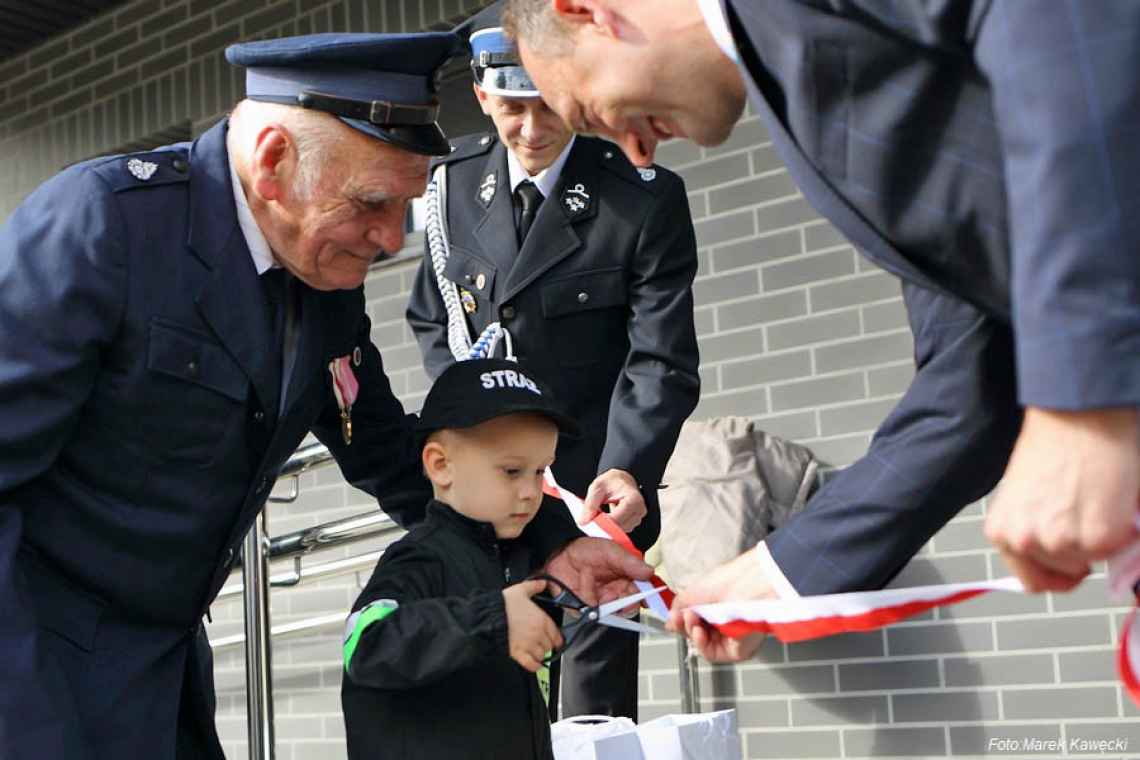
(553, 248)
(174, 324)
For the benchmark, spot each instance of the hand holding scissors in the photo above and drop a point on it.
(560, 597)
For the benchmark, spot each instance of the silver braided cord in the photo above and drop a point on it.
(458, 333)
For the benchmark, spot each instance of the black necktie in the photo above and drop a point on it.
(275, 283)
(529, 198)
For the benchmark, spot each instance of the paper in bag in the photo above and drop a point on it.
(595, 737)
(701, 736)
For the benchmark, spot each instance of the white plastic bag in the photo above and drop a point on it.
(701, 736)
(595, 737)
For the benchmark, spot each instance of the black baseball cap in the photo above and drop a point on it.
(477, 390)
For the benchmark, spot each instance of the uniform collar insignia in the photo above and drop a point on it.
(140, 169)
(487, 189)
(647, 174)
(576, 199)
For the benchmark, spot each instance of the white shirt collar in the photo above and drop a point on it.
(546, 179)
(259, 249)
(717, 21)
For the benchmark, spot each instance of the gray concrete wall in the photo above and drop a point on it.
(796, 331)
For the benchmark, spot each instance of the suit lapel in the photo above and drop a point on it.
(495, 232)
(552, 237)
(225, 284)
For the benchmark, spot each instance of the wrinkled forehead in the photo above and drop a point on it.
(385, 168)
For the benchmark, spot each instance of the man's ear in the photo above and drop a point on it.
(436, 464)
(273, 161)
(484, 101)
(595, 13)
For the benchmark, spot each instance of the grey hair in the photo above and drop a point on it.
(535, 22)
(314, 135)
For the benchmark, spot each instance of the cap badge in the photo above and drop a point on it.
(487, 189)
(647, 175)
(140, 169)
(470, 305)
(576, 199)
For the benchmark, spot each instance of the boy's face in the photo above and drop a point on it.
(493, 472)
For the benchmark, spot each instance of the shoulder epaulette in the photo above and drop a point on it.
(652, 180)
(139, 170)
(466, 147)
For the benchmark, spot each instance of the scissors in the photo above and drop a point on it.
(587, 615)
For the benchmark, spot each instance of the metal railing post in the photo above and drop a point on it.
(258, 672)
(690, 682)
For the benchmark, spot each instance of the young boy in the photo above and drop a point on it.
(441, 649)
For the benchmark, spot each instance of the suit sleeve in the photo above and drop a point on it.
(62, 296)
(944, 446)
(427, 636)
(427, 317)
(659, 385)
(382, 459)
(1066, 94)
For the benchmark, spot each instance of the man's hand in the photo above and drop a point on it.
(597, 570)
(738, 580)
(1069, 495)
(616, 487)
(530, 631)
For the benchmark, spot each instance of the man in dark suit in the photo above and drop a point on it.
(583, 264)
(981, 152)
(174, 323)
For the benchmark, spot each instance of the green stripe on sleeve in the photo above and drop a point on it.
(373, 612)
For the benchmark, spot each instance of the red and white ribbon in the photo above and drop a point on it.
(811, 617)
(1123, 577)
(603, 526)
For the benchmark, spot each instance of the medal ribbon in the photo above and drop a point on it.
(345, 386)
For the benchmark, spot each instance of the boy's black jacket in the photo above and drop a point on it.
(434, 679)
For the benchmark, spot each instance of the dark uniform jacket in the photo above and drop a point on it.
(979, 151)
(140, 437)
(598, 301)
(434, 679)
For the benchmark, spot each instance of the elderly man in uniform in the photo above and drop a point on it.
(981, 151)
(174, 323)
(565, 255)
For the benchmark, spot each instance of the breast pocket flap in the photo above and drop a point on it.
(584, 291)
(470, 272)
(196, 359)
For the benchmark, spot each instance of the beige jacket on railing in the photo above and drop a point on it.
(729, 485)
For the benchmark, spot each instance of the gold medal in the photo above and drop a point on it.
(346, 425)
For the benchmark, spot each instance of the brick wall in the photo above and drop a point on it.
(796, 331)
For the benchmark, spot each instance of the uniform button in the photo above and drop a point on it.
(259, 416)
(583, 297)
(508, 312)
(263, 485)
(609, 154)
(179, 165)
(192, 368)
